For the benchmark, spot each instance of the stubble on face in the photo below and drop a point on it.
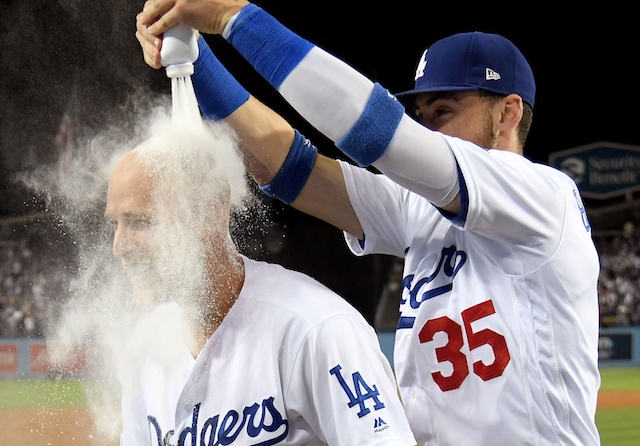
(486, 137)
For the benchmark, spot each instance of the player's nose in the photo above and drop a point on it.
(122, 242)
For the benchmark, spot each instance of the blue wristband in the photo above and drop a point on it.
(295, 170)
(371, 134)
(272, 49)
(219, 94)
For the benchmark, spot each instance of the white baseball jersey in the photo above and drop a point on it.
(497, 338)
(153, 368)
(292, 363)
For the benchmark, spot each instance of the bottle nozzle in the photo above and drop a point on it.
(179, 69)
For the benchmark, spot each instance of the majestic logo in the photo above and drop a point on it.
(361, 391)
(379, 425)
(491, 75)
(253, 421)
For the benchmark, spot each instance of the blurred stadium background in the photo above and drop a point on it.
(71, 68)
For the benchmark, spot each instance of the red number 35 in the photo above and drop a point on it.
(451, 351)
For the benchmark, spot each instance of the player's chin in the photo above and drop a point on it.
(142, 275)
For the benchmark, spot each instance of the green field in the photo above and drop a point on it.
(618, 427)
(23, 394)
(620, 379)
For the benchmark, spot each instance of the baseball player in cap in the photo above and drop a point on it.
(232, 351)
(488, 65)
(496, 342)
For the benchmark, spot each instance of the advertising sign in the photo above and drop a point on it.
(601, 170)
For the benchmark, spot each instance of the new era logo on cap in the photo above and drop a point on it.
(491, 75)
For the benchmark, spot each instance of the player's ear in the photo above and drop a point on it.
(509, 113)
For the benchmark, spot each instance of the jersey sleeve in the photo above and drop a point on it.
(507, 196)
(384, 210)
(343, 386)
(515, 204)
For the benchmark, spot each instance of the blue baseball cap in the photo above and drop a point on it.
(474, 61)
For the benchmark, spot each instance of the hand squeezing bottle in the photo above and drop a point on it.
(179, 51)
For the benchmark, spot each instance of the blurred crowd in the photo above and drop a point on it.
(25, 305)
(29, 288)
(619, 284)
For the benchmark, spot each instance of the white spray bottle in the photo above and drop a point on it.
(179, 51)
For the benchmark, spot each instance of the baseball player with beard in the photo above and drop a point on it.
(497, 336)
(233, 351)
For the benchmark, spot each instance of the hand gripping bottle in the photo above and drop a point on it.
(179, 51)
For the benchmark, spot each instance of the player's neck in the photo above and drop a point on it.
(227, 282)
(508, 142)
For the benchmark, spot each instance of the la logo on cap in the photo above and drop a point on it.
(491, 75)
(421, 65)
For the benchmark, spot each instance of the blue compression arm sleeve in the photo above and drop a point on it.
(371, 134)
(261, 37)
(219, 94)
